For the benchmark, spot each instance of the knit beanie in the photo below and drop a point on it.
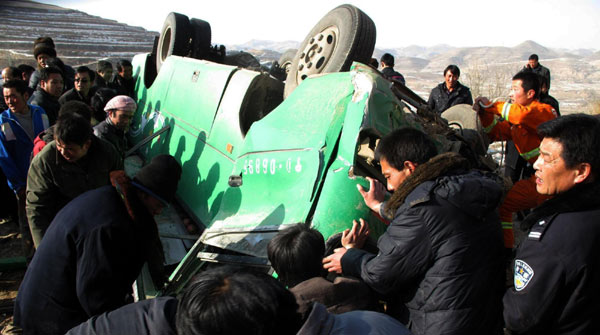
(43, 49)
(159, 178)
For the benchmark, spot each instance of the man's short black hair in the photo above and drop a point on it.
(388, 59)
(72, 128)
(76, 107)
(103, 65)
(534, 57)
(579, 135)
(14, 72)
(228, 300)
(56, 62)
(47, 71)
(453, 69)
(18, 84)
(28, 69)
(529, 81)
(99, 100)
(121, 63)
(296, 254)
(85, 69)
(405, 144)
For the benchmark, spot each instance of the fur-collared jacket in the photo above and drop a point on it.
(442, 253)
(557, 267)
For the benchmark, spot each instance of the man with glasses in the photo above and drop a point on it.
(82, 90)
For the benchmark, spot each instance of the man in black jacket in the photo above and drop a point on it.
(123, 80)
(441, 256)
(557, 268)
(387, 69)
(533, 65)
(449, 93)
(95, 248)
(82, 90)
(47, 93)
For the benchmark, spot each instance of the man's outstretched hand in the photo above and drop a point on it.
(374, 196)
(356, 237)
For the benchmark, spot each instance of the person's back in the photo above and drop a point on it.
(387, 65)
(95, 248)
(67, 282)
(146, 317)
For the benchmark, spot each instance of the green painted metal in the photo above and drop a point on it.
(298, 163)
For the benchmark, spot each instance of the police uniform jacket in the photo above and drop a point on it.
(557, 268)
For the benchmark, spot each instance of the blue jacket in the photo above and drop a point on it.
(16, 146)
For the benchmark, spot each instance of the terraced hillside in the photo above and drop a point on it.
(80, 38)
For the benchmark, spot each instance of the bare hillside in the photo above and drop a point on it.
(80, 38)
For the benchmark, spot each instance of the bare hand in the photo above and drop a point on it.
(375, 196)
(356, 237)
(333, 262)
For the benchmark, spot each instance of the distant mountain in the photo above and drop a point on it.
(279, 47)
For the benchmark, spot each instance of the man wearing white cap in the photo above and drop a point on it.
(114, 129)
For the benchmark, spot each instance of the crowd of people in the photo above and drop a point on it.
(439, 268)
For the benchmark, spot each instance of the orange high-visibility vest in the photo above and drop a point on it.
(517, 123)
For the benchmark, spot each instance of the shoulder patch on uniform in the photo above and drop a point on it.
(523, 274)
(537, 230)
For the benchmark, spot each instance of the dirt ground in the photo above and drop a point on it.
(10, 247)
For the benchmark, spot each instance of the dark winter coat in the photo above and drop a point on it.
(320, 322)
(48, 102)
(540, 70)
(146, 317)
(391, 74)
(107, 131)
(52, 181)
(88, 260)
(557, 268)
(550, 100)
(68, 77)
(73, 94)
(442, 253)
(123, 86)
(441, 98)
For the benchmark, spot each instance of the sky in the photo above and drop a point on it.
(571, 24)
